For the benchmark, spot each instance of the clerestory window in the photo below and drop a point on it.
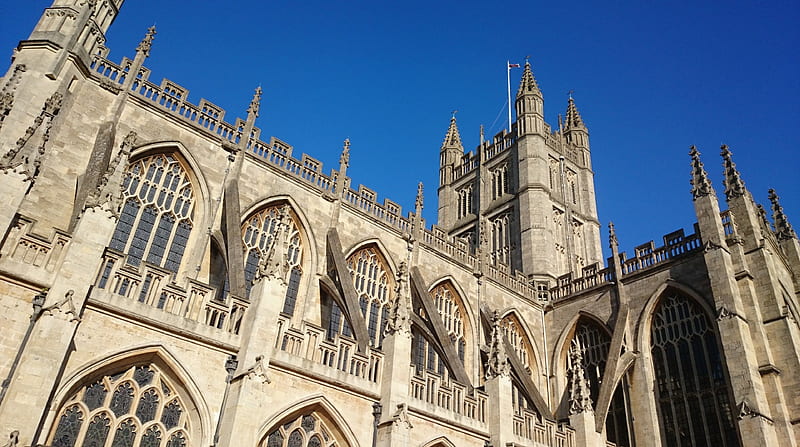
(156, 218)
(373, 283)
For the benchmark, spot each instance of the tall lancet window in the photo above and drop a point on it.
(134, 407)
(373, 282)
(692, 393)
(257, 234)
(594, 343)
(501, 239)
(452, 314)
(156, 217)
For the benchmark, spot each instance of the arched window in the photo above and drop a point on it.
(373, 283)
(135, 407)
(501, 239)
(691, 390)
(594, 343)
(465, 203)
(512, 329)
(426, 357)
(452, 314)
(308, 430)
(156, 217)
(257, 234)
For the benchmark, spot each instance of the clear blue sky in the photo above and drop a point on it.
(650, 79)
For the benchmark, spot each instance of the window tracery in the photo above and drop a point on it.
(594, 343)
(307, 430)
(257, 235)
(501, 240)
(143, 410)
(692, 394)
(373, 283)
(157, 195)
(500, 181)
(512, 329)
(465, 201)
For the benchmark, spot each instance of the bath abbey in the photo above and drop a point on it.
(171, 277)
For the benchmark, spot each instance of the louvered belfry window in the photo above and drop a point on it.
(135, 407)
(156, 218)
(692, 393)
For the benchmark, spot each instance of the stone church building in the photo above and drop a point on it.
(169, 277)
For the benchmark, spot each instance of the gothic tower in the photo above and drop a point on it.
(526, 197)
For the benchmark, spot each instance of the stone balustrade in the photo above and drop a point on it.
(541, 432)
(26, 248)
(444, 394)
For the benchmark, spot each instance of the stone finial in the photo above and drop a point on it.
(273, 263)
(613, 244)
(255, 104)
(418, 202)
(147, 42)
(762, 214)
(701, 185)
(734, 186)
(452, 139)
(580, 399)
(108, 193)
(783, 229)
(528, 85)
(573, 117)
(344, 159)
(399, 321)
(497, 364)
(28, 159)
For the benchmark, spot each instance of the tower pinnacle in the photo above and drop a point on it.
(701, 185)
(734, 186)
(573, 117)
(783, 229)
(452, 140)
(147, 42)
(528, 85)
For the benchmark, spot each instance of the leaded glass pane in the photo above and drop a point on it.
(95, 395)
(121, 399)
(148, 404)
(291, 292)
(125, 224)
(125, 435)
(68, 427)
(308, 423)
(151, 437)
(177, 440)
(295, 439)
(314, 442)
(161, 238)
(372, 281)
(143, 375)
(97, 432)
(171, 415)
(275, 439)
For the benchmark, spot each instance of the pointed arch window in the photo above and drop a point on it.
(692, 393)
(156, 218)
(307, 430)
(512, 329)
(500, 181)
(594, 343)
(136, 407)
(374, 284)
(452, 314)
(501, 239)
(257, 235)
(465, 201)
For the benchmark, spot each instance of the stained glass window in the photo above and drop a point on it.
(373, 283)
(692, 393)
(304, 431)
(157, 189)
(110, 413)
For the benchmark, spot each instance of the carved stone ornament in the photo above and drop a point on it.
(108, 193)
(25, 157)
(147, 42)
(701, 185)
(64, 306)
(344, 159)
(7, 94)
(13, 439)
(110, 85)
(783, 229)
(497, 364)
(399, 321)
(274, 263)
(258, 371)
(400, 417)
(580, 399)
(418, 202)
(734, 186)
(745, 410)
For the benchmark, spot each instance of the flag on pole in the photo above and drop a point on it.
(513, 65)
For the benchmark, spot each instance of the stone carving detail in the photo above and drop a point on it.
(7, 94)
(258, 371)
(418, 202)
(400, 417)
(274, 263)
(579, 392)
(13, 439)
(701, 185)
(783, 229)
(65, 306)
(29, 160)
(108, 193)
(725, 314)
(147, 42)
(400, 311)
(497, 363)
(745, 410)
(734, 186)
(110, 85)
(344, 160)
(255, 104)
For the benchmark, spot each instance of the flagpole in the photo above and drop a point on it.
(508, 86)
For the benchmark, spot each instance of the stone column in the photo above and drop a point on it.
(248, 397)
(394, 426)
(39, 370)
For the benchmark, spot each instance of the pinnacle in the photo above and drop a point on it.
(734, 186)
(255, 103)
(612, 236)
(452, 139)
(573, 117)
(528, 85)
(701, 185)
(783, 228)
(147, 42)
